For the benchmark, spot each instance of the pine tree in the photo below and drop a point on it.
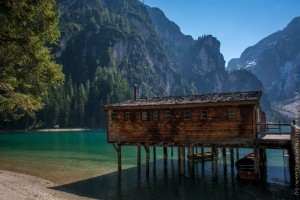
(26, 64)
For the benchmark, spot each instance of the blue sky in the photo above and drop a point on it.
(237, 24)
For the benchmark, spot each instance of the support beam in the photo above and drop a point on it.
(154, 154)
(172, 152)
(179, 156)
(231, 157)
(237, 153)
(165, 150)
(202, 153)
(119, 152)
(182, 160)
(138, 152)
(256, 159)
(215, 157)
(119, 158)
(147, 150)
(224, 156)
(191, 161)
(263, 168)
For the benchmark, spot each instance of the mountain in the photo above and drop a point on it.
(142, 43)
(275, 60)
(107, 46)
(244, 80)
(199, 61)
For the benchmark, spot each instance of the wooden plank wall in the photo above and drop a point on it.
(216, 128)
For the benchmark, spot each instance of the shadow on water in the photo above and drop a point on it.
(134, 183)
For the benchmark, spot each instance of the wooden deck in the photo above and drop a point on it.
(273, 135)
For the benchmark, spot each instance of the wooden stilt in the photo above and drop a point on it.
(179, 156)
(231, 157)
(172, 151)
(202, 153)
(224, 156)
(138, 152)
(256, 159)
(118, 150)
(191, 161)
(165, 150)
(119, 158)
(294, 174)
(212, 150)
(147, 159)
(263, 169)
(182, 160)
(215, 157)
(237, 154)
(154, 155)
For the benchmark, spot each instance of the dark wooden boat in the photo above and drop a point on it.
(199, 156)
(245, 167)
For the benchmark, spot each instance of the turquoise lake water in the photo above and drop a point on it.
(84, 164)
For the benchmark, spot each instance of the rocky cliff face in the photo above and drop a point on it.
(203, 65)
(199, 61)
(275, 61)
(146, 47)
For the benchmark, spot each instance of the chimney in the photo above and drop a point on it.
(134, 92)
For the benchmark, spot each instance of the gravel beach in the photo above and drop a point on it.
(21, 186)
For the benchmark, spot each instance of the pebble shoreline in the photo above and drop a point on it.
(15, 185)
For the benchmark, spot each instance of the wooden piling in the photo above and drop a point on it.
(256, 159)
(179, 156)
(172, 152)
(147, 150)
(224, 156)
(191, 161)
(215, 158)
(119, 158)
(262, 164)
(165, 150)
(182, 160)
(231, 157)
(154, 155)
(138, 152)
(237, 153)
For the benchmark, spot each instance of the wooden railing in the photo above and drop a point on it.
(273, 128)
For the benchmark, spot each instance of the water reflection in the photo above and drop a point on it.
(166, 183)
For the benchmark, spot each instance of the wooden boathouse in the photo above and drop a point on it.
(219, 120)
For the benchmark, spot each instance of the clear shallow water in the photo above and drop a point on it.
(84, 164)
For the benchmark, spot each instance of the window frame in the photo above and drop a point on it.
(114, 116)
(187, 115)
(232, 113)
(127, 116)
(143, 116)
(203, 114)
(168, 116)
(155, 115)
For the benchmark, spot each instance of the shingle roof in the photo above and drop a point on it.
(192, 99)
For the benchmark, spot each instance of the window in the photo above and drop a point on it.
(204, 115)
(127, 116)
(231, 113)
(144, 116)
(114, 116)
(167, 115)
(187, 115)
(155, 116)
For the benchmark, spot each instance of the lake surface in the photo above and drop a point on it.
(84, 164)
